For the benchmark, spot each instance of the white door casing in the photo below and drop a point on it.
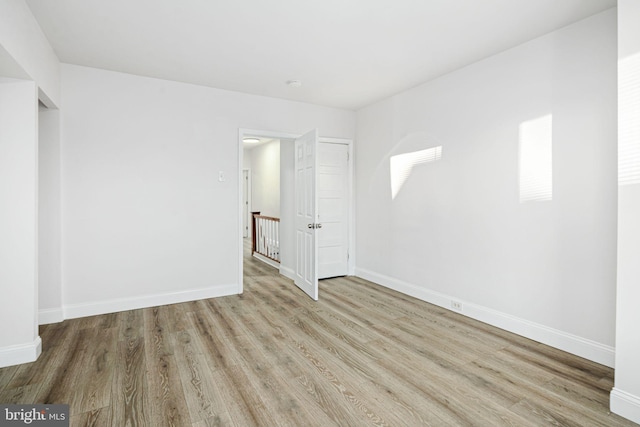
(246, 220)
(306, 214)
(333, 209)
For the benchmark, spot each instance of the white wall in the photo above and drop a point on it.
(26, 54)
(145, 219)
(19, 340)
(22, 39)
(625, 397)
(265, 179)
(287, 209)
(246, 159)
(9, 68)
(456, 230)
(49, 219)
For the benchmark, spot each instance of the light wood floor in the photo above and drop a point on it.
(362, 355)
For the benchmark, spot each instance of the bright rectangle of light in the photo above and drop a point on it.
(401, 166)
(629, 120)
(535, 161)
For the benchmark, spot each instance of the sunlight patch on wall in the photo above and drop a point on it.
(535, 159)
(401, 166)
(629, 120)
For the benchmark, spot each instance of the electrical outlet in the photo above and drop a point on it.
(456, 305)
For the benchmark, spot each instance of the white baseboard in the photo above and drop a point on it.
(625, 404)
(122, 304)
(18, 354)
(266, 260)
(573, 344)
(287, 272)
(50, 315)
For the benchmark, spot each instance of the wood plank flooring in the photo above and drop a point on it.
(362, 355)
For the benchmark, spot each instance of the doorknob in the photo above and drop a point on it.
(318, 225)
(310, 226)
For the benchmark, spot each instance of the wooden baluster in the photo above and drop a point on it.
(276, 246)
(265, 249)
(253, 231)
(265, 230)
(266, 237)
(271, 238)
(261, 236)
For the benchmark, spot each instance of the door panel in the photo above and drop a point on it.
(333, 210)
(306, 274)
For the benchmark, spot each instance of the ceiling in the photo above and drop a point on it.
(346, 53)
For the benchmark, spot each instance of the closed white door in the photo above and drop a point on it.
(333, 210)
(305, 164)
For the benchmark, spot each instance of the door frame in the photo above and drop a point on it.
(249, 216)
(289, 273)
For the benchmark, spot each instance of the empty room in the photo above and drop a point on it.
(325, 213)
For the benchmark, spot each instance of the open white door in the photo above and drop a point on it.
(306, 274)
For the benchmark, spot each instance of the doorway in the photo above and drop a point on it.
(335, 196)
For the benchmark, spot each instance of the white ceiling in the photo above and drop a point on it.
(347, 53)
